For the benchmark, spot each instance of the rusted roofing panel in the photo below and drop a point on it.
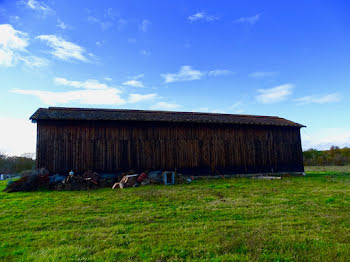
(63, 113)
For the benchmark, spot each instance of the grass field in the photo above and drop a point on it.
(293, 219)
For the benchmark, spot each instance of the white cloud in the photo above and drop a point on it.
(186, 73)
(40, 7)
(12, 42)
(17, 136)
(63, 49)
(136, 98)
(11, 38)
(250, 20)
(88, 84)
(144, 26)
(165, 106)
(325, 138)
(319, 99)
(13, 48)
(219, 72)
(108, 79)
(275, 94)
(202, 16)
(262, 74)
(92, 93)
(133, 83)
(90, 97)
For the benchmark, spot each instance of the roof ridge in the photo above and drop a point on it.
(105, 114)
(156, 111)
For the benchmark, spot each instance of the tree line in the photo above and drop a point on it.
(334, 156)
(16, 164)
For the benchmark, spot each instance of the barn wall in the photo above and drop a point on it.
(111, 146)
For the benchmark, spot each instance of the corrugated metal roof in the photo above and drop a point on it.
(63, 113)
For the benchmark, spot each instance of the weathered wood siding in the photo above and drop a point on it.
(111, 146)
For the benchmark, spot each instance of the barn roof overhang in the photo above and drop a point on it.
(94, 114)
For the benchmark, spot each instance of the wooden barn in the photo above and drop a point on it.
(107, 140)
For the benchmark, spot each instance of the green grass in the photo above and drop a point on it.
(293, 219)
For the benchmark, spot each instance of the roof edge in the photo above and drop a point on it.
(36, 116)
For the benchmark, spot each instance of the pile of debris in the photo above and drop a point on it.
(40, 178)
(132, 179)
(32, 181)
(88, 180)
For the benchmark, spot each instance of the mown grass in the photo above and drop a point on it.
(293, 219)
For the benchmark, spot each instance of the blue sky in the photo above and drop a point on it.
(284, 58)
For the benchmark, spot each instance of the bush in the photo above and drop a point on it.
(334, 156)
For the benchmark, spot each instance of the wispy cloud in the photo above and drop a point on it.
(133, 83)
(62, 25)
(262, 74)
(136, 98)
(202, 16)
(219, 72)
(145, 52)
(11, 43)
(109, 20)
(121, 23)
(103, 24)
(13, 48)
(100, 43)
(63, 49)
(91, 92)
(89, 97)
(144, 25)
(88, 84)
(275, 94)
(237, 107)
(39, 6)
(249, 20)
(34, 61)
(138, 76)
(165, 106)
(319, 99)
(186, 73)
(14, 19)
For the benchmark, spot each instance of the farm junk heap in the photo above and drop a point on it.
(41, 179)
